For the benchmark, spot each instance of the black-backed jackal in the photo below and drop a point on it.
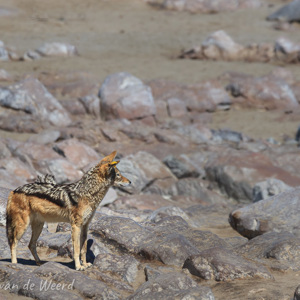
(46, 201)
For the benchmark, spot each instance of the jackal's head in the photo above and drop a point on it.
(110, 173)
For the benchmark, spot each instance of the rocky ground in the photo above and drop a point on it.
(203, 110)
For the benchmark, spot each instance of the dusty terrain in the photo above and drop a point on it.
(114, 36)
(129, 35)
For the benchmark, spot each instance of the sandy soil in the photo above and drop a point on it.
(128, 35)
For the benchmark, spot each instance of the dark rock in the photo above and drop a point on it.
(180, 167)
(223, 265)
(172, 286)
(297, 293)
(278, 250)
(277, 213)
(170, 240)
(125, 267)
(288, 13)
(125, 96)
(82, 284)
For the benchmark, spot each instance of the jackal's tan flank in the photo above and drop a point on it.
(75, 203)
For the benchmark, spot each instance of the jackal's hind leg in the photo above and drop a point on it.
(37, 227)
(17, 227)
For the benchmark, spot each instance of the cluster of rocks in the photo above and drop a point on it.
(205, 6)
(220, 46)
(57, 49)
(151, 241)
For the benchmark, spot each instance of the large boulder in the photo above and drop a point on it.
(223, 265)
(277, 213)
(147, 173)
(125, 96)
(288, 13)
(32, 99)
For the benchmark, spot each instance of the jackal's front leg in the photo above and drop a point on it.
(83, 245)
(76, 232)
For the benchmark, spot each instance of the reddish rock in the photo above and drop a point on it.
(264, 92)
(201, 97)
(176, 108)
(71, 84)
(79, 154)
(125, 96)
(236, 172)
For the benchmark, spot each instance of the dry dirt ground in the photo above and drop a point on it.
(128, 35)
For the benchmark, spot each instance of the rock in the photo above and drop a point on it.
(77, 153)
(5, 76)
(277, 213)
(297, 293)
(201, 97)
(173, 285)
(17, 168)
(227, 135)
(264, 92)
(124, 96)
(278, 250)
(190, 187)
(57, 49)
(86, 287)
(70, 84)
(288, 50)
(206, 6)
(60, 168)
(288, 13)
(4, 55)
(219, 45)
(124, 267)
(147, 173)
(270, 187)
(91, 104)
(4, 193)
(223, 265)
(176, 108)
(45, 137)
(170, 240)
(110, 197)
(31, 97)
(180, 166)
(236, 172)
(141, 202)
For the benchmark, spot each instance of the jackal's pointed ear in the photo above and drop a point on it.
(109, 158)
